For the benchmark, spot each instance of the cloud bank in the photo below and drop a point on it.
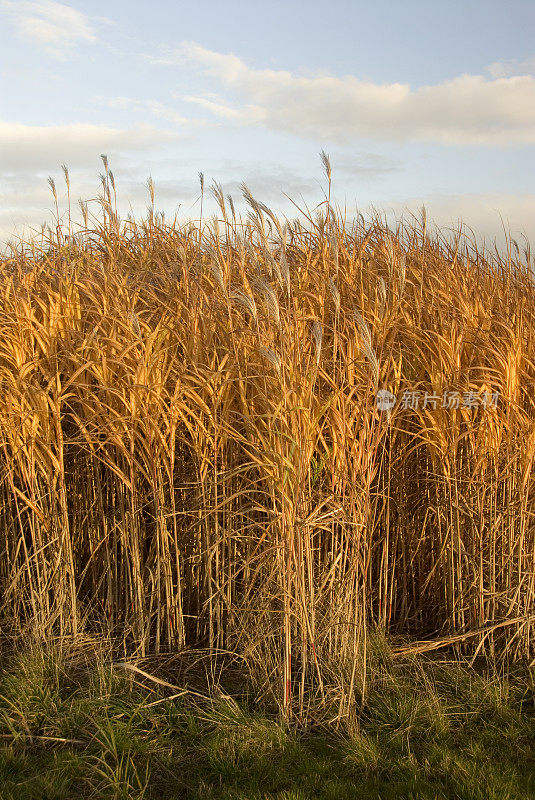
(28, 148)
(55, 26)
(467, 110)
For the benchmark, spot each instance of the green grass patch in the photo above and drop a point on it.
(426, 730)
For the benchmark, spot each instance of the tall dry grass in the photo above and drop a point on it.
(191, 454)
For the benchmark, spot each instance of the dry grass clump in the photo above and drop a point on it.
(191, 453)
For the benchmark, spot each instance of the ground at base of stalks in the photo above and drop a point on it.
(428, 729)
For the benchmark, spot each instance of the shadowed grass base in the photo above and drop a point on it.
(428, 730)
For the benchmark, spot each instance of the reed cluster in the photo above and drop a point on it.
(191, 453)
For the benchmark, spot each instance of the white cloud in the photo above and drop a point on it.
(248, 115)
(469, 109)
(55, 26)
(505, 69)
(209, 101)
(30, 148)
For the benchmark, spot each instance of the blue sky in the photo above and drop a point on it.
(415, 102)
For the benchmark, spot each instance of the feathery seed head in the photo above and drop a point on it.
(325, 160)
(241, 298)
(335, 294)
(217, 193)
(271, 356)
(66, 174)
(270, 299)
(134, 322)
(317, 334)
(52, 185)
(367, 345)
(217, 272)
(150, 187)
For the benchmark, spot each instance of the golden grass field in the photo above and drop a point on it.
(192, 456)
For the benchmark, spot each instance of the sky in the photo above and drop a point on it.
(416, 103)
